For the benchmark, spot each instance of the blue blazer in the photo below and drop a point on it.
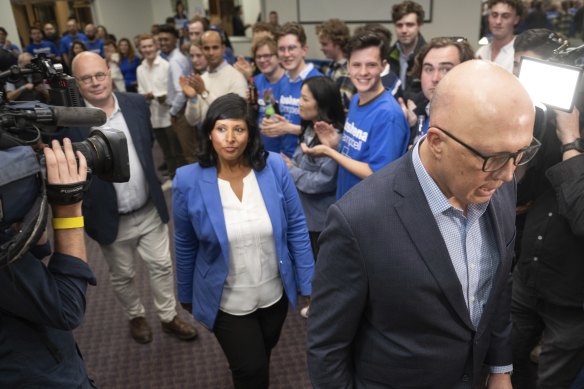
(100, 204)
(202, 247)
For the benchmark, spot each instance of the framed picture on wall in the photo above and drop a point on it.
(351, 11)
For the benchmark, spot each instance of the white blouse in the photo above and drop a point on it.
(253, 280)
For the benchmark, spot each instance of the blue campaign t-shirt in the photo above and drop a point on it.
(288, 103)
(376, 133)
(67, 41)
(262, 85)
(95, 47)
(45, 47)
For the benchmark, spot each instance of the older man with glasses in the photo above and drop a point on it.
(412, 286)
(129, 218)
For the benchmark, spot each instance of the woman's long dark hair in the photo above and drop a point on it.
(231, 106)
(131, 55)
(329, 104)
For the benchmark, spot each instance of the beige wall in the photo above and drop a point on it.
(126, 18)
(7, 21)
(449, 18)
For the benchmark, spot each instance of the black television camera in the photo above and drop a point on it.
(23, 199)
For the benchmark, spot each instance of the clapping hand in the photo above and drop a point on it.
(408, 110)
(192, 85)
(244, 67)
(274, 126)
(327, 134)
(288, 161)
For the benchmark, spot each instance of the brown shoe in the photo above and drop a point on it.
(140, 330)
(180, 328)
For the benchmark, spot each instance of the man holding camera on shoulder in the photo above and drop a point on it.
(548, 293)
(41, 305)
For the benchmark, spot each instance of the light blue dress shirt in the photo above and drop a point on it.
(470, 241)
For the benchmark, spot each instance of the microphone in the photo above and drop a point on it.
(50, 115)
(46, 115)
(78, 117)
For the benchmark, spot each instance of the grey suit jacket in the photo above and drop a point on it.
(387, 307)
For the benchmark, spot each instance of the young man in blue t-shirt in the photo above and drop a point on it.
(93, 42)
(267, 83)
(40, 46)
(72, 35)
(376, 131)
(292, 50)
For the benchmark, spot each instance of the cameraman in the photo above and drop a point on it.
(41, 305)
(548, 279)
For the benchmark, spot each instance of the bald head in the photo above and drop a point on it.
(93, 79)
(24, 59)
(481, 99)
(210, 35)
(213, 48)
(478, 111)
(84, 58)
(90, 31)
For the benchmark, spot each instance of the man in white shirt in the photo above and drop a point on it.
(504, 15)
(153, 85)
(129, 218)
(175, 99)
(220, 79)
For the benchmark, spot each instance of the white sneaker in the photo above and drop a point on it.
(167, 185)
(304, 311)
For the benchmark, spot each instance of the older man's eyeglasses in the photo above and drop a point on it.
(86, 80)
(497, 161)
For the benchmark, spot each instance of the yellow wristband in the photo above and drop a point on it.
(65, 223)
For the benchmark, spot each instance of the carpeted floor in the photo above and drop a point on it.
(114, 360)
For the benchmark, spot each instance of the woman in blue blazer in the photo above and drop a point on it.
(242, 246)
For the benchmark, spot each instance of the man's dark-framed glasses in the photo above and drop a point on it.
(497, 161)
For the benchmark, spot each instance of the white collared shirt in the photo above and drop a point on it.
(504, 58)
(303, 74)
(253, 280)
(133, 194)
(154, 79)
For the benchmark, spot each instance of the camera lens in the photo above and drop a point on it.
(106, 152)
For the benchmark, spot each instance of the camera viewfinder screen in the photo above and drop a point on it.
(550, 83)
